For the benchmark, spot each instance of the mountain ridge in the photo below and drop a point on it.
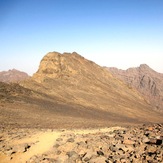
(13, 75)
(70, 91)
(144, 79)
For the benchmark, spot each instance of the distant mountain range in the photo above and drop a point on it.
(13, 76)
(71, 91)
(144, 79)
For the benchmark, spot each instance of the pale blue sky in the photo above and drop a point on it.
(113, 33)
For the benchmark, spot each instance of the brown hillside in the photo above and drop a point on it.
(71, 91)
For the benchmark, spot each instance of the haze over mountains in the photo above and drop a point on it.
(71, 91)
(13, 76)
(144, 79)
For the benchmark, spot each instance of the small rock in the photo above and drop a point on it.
(129, 142)
(159, 142)
(123, 160)
(145, 140)
(71, 153)
(88, 155)
(100, 153)
(59, 139)
(120, 147)
(9, 152)
(113, 148)
(150, 128)
(56, 145)
(21, 148)
(151, 149)
(100, 159)
(71, 140)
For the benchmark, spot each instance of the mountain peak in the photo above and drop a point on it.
(52, 54)
(144, 66)
(57, 65)
(147, 81)
(57, 54)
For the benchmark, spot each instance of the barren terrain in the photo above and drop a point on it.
(116, 144)
(73, 110)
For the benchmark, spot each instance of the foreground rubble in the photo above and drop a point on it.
(125, 145)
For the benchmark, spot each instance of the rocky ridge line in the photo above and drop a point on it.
(147, 81)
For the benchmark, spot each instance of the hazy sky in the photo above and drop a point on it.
(113, 33)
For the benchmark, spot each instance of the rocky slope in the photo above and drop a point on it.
(13, 76)
(147, 81)
(71, 80)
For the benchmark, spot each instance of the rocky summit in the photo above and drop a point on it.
(144, 79)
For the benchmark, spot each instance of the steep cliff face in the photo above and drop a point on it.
(13, 76)
(147, 81)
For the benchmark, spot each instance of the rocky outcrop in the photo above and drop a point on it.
(68, 66)
(55, 65)
(147, 81)
(13, 76)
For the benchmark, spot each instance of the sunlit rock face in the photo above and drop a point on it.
(67, 65)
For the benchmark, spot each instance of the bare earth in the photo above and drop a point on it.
(40, 141)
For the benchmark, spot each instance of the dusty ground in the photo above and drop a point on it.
(143, 143)
(22, 144)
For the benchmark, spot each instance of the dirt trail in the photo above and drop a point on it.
(43, 141)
